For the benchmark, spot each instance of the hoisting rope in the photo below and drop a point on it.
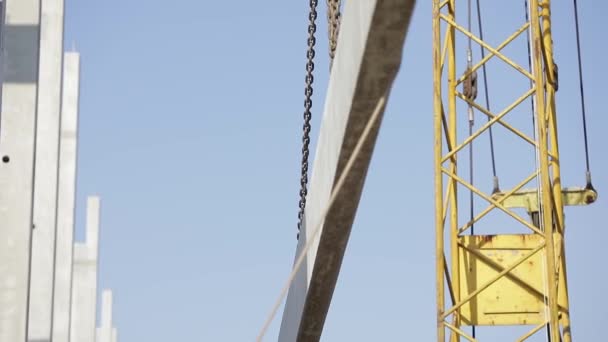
(471, 84)
(580, 77)
(470, 91)
(527, 18)
(310, 66)
(496, 187)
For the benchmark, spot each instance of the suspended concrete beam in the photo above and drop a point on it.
(47, 160)
(68, 152)
(19, 71)
(368, 57)
(84, 288)
(106, 331)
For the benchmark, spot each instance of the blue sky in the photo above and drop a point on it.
(190, 128)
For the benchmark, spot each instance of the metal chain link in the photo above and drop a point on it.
(310, 66)
(333, 20)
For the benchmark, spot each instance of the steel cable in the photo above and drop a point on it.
(471, 124)
(487, 98)
(582, 93)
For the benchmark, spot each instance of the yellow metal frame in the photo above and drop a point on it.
(528, 199)
(544, 244)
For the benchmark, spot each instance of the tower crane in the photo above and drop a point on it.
(500, 242)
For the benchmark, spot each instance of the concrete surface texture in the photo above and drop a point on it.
(47, 160)
(19, 68)
(84, 286)
(106, 331)
(66, 198)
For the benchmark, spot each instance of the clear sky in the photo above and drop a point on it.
(190, 128)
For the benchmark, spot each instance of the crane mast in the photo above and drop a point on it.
(514, 273)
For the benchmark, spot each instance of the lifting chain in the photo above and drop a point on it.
(310, 66)
(333, 20)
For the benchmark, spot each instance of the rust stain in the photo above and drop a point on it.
(525, 237)
(488, 238)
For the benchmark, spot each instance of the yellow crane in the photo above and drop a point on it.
(512, 274)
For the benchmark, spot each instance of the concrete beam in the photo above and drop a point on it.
(19, 71)
(84, 288)
(106, 331)
(68, 152)
(47, 161)
(368, 58)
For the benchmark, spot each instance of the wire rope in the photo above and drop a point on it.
(582, 93)
(487, 98)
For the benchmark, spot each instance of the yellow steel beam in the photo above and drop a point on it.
(487, 46)
(547, 213)
(558, 194)
(528, 198)
(487, 125)
(498, 118)
(483, 61)
(498, 200)
(452, 183)
(460, 332)
(493, 202)
(438, 118)
(532, 332)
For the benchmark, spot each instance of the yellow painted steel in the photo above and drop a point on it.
(500, 278)
(541, 51)
(516, 298)
(528, 198)
(441, 264)
(452, 184)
